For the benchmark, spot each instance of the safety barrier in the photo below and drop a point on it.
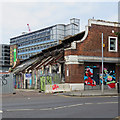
(76, 86)
(63, 87)
(57, 88)
(6, 83)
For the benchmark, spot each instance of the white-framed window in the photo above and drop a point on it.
(112, 44)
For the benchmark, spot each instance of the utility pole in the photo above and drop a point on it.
(102, 65)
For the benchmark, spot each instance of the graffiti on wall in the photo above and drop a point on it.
(54, 87)
(108, 78)
(89, 77)
(45, 80)
(4, 79)
(93, 76)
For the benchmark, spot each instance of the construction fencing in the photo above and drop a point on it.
(48, 80)
(6, 83)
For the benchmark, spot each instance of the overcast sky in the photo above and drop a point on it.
(15, 16)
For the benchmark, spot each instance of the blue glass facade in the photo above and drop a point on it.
(34, 42)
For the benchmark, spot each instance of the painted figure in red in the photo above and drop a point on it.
(89, 81)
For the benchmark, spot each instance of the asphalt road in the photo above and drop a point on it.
(39, 105)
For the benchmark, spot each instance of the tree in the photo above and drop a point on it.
(118, 34)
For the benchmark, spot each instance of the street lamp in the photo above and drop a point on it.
(102, 64)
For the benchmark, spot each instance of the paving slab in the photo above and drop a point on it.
(92, 93)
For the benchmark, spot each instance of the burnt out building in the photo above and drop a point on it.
(77, 59)
(83, 60)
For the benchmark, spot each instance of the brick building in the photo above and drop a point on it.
(83, 59)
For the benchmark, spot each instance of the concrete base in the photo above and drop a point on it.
(67, 87)
(76, 86)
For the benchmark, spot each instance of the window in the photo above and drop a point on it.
(113, 44)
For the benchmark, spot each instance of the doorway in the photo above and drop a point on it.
(26, 84)
(96, 75)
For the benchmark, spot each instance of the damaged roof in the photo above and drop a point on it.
(51, 51)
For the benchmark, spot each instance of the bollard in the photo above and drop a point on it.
(118, 87)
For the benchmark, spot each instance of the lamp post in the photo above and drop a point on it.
(102, 64)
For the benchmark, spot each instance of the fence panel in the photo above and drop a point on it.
(7, 83)
(48, 80)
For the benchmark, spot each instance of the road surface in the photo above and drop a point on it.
(40, 105)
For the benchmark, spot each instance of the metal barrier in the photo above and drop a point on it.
(7, 83)
(118, 87)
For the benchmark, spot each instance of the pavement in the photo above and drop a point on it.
(80, 93)
(83, 93)
(116, 118)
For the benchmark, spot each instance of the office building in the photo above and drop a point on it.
(4, 57)
(28, 44)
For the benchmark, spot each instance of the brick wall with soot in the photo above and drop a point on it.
(91, 46)
(75, 73)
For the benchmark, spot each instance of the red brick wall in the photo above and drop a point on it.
(117, 72)
(76, 73)
(91, 46)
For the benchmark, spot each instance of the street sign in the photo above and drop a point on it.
(28, 76)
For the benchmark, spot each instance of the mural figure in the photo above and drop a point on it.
(109, 78)
(88, 77)
(42, 83)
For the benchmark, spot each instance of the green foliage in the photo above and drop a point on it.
(118, 34)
